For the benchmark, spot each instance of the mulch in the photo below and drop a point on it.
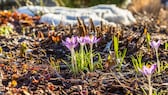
(32, 72)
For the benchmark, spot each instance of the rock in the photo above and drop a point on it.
(114, 14)
(33, 10)
(52, 18)
(109, 14)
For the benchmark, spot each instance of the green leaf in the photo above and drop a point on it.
(115, 39)
(148, 40)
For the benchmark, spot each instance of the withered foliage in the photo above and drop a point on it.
(30, 71)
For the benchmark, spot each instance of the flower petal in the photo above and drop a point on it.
(148, 71)
(153, 68)
(155, 44)
(70, 42)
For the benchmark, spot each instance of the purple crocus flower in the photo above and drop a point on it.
(155, 44)
(82, 40)
(148, 70)
(92, 39)
(70, 43)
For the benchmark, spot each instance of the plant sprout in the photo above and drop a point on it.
(91, 40)
(137, 62)
(82, 41)
(119, 55)
(71, 43)
(5, 30)
(148, 40)
(55, 63)
(1, 50)
(155, 46)
(166, 46)
(83, 59)
(147, 71)
(23, 49)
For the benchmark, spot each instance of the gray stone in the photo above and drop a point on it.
(109, 14)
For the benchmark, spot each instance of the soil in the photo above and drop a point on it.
(31, 49)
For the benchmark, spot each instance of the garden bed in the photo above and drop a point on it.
(32, 57)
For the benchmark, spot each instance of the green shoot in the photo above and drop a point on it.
(137, 62)
(116, 46)
(85, 66)
(84, 63)
(98, 63)
(148, 40)
(166, 46)
(23, 49)
(121, 57)
(118, 54)
(145, 93)
(83, 59)
(1, 50)
(54, 63)
(5, 30)
(163, 65)
(162, 92)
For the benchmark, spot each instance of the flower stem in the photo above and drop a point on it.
(91, 58)
(73, 61)
(158, 62)
(82, 57)
(149, 84)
